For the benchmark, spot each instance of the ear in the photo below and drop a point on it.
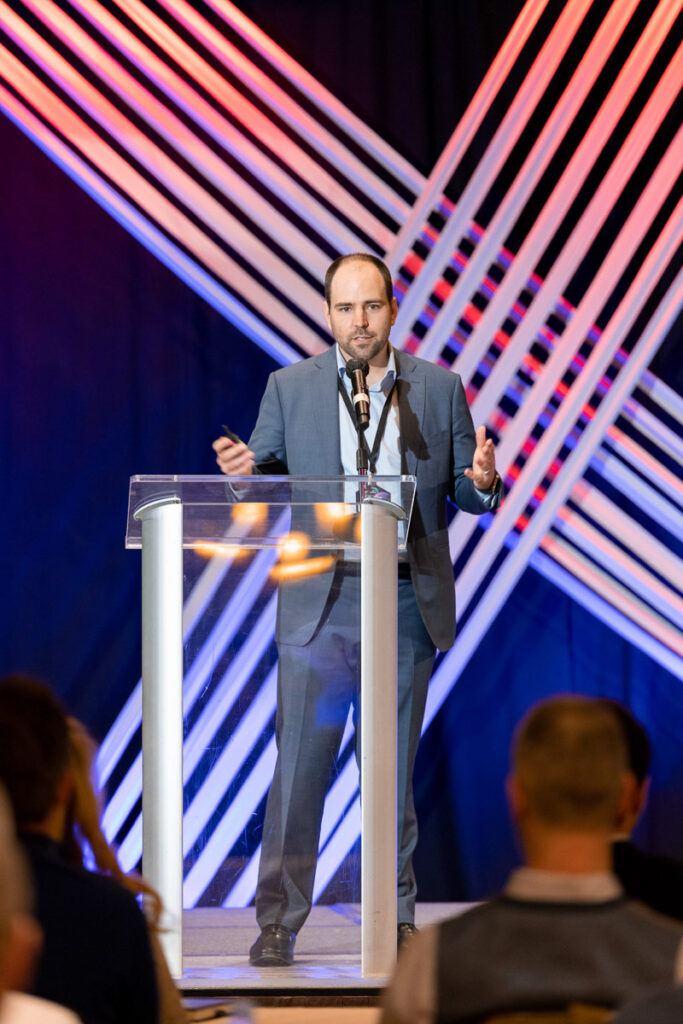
(517, 800)
(326, 311)
(394, 309)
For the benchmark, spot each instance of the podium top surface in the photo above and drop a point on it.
(259, 511)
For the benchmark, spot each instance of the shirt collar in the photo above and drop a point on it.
(387, 380)
(555, 887)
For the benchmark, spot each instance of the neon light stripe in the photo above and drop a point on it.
(289, 110)
(535, 164)
(321, 97)
(276, 180)
(504, 139)
(255, 122)
(141, 228)
(177, 181)
(464, 133)
(620, 564)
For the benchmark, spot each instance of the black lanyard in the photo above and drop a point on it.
(381, 426)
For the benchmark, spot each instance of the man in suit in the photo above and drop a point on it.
(419, 424)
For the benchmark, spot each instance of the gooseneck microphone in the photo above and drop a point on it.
(357, 370)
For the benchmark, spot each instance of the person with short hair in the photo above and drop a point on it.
(561, 932)
(420, 424)
(96, 957)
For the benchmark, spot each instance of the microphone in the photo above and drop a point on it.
(357, 370)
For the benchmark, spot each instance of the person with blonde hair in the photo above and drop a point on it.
(561, 932)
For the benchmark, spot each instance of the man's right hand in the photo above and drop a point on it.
(234, 459)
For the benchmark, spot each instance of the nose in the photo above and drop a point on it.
(360, 316)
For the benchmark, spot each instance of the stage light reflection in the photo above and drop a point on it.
(329, 512)
(294, 546)
(217, 549)
(249, 513)
(287, 571)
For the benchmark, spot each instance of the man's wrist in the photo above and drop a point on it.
(492, 486)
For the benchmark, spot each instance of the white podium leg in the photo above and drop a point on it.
(379, 610)
(162, 715)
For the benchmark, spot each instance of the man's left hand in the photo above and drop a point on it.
(483, 470)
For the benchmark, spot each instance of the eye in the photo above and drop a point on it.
(374, 305)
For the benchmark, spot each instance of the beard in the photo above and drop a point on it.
(362, 346)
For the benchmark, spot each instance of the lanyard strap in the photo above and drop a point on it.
(381, 426)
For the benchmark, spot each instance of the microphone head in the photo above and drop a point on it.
(357, 364)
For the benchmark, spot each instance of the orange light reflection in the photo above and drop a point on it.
(296, 570)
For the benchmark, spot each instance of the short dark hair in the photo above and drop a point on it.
(569, 756)
(34, 746)
(361, 257)
(638, 749)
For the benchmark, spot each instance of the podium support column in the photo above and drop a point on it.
(379, 610)
(162, 715)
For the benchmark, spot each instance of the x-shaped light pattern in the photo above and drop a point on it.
(245, 176)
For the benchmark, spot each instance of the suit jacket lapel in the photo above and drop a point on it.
(325, 403)
(411, 409)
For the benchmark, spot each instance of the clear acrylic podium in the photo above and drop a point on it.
(308, 525)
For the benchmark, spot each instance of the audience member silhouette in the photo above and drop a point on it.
(561, 932)
(84, 832)
(20, 937)
(650, 878)
(96, 957)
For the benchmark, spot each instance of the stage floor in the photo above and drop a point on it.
(327, 956)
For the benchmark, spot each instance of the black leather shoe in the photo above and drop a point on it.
(404, 931)
(273, 948)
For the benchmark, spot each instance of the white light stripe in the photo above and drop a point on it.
(242, 892)
(369, 140)
(177, 181)
(607, 613)
(128, 720)
(628, 531)
(147, 234)
(597, 362)
(339, 796)
(645, 463)
(603, 551)
(342, 841)
(257, 123)
(566, 190)
(289, 110)
(635, 227)
(660, 508)
(186, 142)
(163, 211)
(225, 835)
(576, 246)
(512, 568)
(666, 397)
(276, 180)
(621, 597)
(234, 754)
(652, 428)
(464, 132)
(506, 136)
(226, 692)
(224, 630)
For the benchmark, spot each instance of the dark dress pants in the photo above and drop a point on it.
(316, 685)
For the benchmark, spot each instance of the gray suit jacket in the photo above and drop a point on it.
(297, 432)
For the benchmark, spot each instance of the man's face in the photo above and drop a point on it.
(359, 314)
